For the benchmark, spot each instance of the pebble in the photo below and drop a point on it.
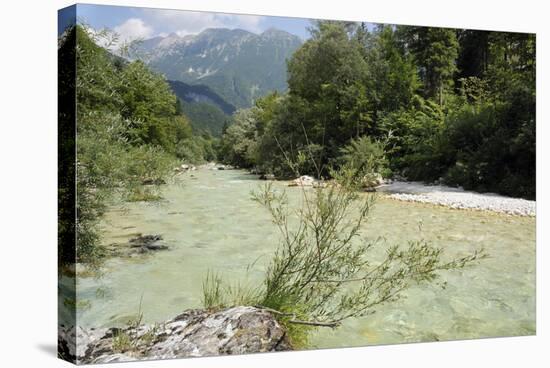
(458, 198)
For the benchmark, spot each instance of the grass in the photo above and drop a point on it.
(122, 342)
(217, 296)
(129, 340)
(212, 292)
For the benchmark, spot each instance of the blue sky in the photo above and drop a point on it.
(131, 22)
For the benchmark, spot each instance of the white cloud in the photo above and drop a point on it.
(132, 29)
(182, 23)
(248, 22)
(189, 22)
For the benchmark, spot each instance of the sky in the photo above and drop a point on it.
(131, 22)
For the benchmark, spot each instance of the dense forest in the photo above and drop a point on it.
(429, 104)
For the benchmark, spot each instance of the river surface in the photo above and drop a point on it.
(210, 223)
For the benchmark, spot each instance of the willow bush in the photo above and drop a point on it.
(324, 270)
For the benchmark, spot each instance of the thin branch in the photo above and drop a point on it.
(331, 324)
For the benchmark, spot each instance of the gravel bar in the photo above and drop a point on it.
(457, 198)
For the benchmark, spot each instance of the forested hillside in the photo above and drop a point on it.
(206, 110)
(430, 104)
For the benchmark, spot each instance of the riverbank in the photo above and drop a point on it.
(457, 198)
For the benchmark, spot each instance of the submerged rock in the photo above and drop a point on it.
(140, 244)
(194, 333)
(153, 182)
(150, 242)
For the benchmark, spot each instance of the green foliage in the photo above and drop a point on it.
(414, 140)
(122, 342)
(206, 117)
(146, 97)
(328, 82)
(324, 253)
(393, 74)
(456, 105)
(212, 297)
(435, 51)
(238, 146)
(129, 129)
(217, 294)
(197, 150)
(482, 162)
(367, 160)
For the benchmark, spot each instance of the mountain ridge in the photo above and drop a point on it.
(238, 65)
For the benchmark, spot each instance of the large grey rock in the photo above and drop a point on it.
(302, 181)
(194, 333)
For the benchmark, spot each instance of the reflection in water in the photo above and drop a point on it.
(210, 223)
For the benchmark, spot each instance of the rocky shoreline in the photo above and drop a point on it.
(440, 195)
(411, 191)
(457, 198)
(194, 333)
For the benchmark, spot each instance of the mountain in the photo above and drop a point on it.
(239, 66)
(206, 110)
(200, 93)
(206, 117)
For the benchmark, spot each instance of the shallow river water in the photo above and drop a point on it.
(210, 223)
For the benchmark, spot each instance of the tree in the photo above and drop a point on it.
(473, 57)
(435, 51)
(238, 145)
(329, 74)
(128, 131)
(395, 84)
(393, 73)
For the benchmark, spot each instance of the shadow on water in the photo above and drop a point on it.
(246, 176)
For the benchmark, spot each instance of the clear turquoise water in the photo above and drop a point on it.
(211, 224)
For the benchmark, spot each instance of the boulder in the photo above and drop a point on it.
(302, 181)
(194, 333)
(371, 181)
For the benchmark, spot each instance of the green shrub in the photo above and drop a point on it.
(367, 159)
(322, 271)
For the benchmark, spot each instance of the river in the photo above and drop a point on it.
(210, 223)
